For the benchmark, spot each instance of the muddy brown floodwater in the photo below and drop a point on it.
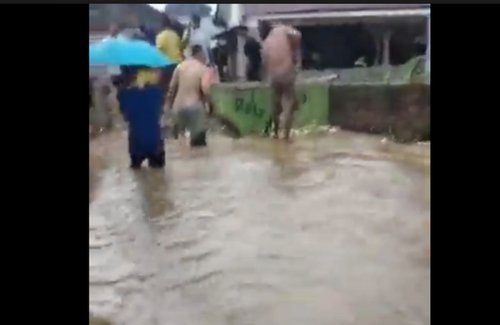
(331, 229)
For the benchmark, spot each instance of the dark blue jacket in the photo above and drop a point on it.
(142, 108)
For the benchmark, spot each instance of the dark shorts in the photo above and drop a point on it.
(192, 119)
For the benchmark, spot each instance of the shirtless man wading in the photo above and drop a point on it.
(281, 56)
(186, 99)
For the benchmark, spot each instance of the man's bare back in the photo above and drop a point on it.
(186, 83)
(279, 50)
(186, 94)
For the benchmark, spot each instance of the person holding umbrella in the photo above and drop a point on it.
(141, 102)
(139, 94)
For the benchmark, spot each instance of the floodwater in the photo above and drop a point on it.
(330, 229)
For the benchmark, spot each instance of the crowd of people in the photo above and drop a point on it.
(177, 96)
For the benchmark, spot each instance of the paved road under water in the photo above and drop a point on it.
(328, 230)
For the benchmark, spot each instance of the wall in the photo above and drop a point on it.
(401, 111)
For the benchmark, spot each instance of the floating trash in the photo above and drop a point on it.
(332, 130)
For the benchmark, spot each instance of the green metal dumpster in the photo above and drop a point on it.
(314, 104)
(248, 106)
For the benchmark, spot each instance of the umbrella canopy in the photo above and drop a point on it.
(123, 51)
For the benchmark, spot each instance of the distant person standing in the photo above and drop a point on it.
(187, 99)
(169, 43)
(282, 57)
(252, 50)
(220, 53)
(195, 35)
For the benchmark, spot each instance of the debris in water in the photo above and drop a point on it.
(384, 140)
(310, 129)
(332, 130)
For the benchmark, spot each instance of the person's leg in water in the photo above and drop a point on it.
(175, 131)
(136, 161)
(198, 126)
(181, 122)
(135, 154)
(193, 119)
(199, 140)
(277, 90)
(269, 122)
(290, 105)
(268, 126)
(157, 160)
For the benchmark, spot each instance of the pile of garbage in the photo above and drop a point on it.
(411, 71)
(314, 129)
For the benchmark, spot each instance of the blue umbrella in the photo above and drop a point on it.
(122, 51)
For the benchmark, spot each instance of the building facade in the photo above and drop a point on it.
(385, 33)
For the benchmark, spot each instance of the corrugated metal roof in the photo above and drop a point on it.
(258, 9)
